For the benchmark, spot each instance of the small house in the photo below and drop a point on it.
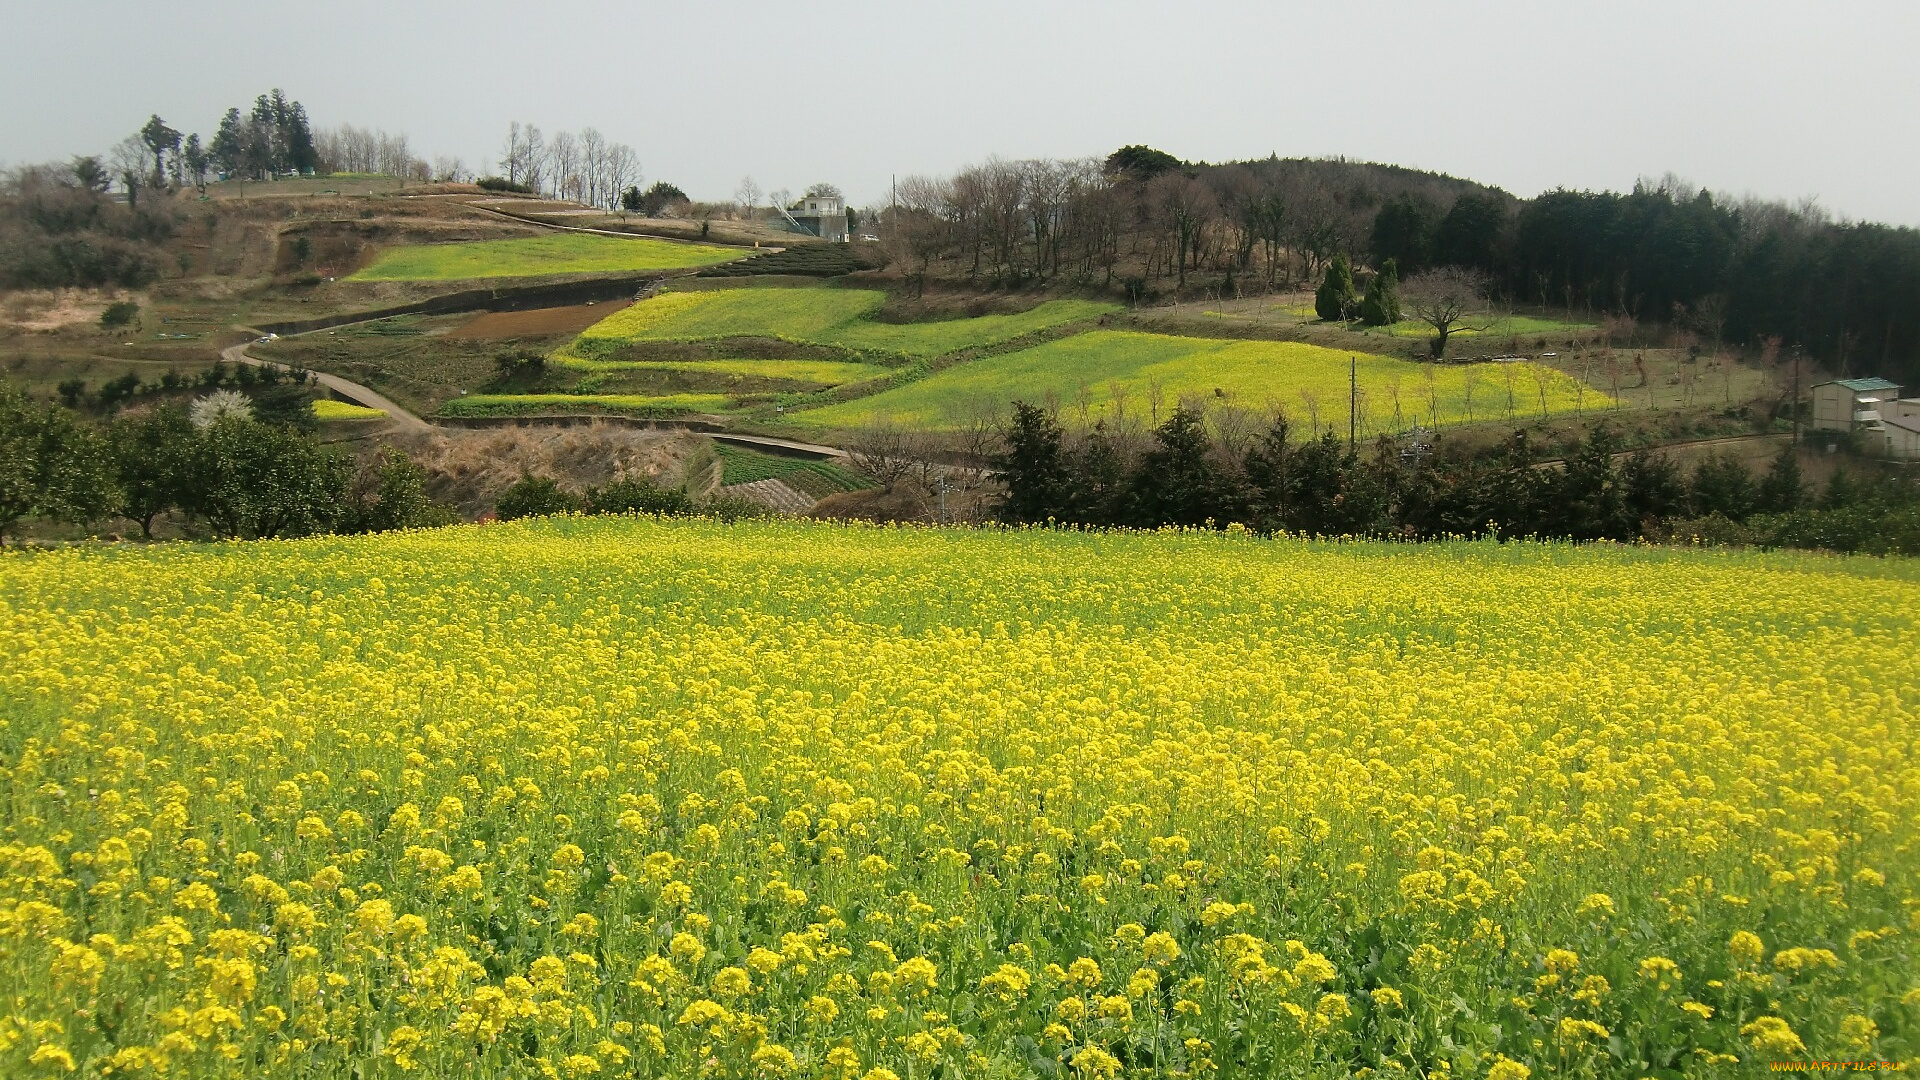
(1901, 437)
(824, 216)
(1851, 405)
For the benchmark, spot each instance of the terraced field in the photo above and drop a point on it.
(535, 256)
(658, 406)
(1257, 374)
(842, 318)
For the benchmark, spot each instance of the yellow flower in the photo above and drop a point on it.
(1771, 1035)
(1505, 1069)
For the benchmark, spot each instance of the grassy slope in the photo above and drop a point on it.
(837, 317)
(1254, 373)
(538, 255)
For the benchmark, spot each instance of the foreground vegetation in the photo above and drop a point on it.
(568, 253)
(628, 797)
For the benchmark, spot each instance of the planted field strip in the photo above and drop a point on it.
(821, 372)
(837, 317)
(623, 404)
(330, 409)
(536, 256)
(1296, 377)
(816, 478)
(775, 495)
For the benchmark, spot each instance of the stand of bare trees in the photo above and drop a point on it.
(587, 168)
(350, 149)
(1262, 225)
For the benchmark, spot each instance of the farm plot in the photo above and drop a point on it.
(841, 318)
(818, 479)
(537, 256)
(590, 797)
(1123, 370)
(643, 405)
(818, 372)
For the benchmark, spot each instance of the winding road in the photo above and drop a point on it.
(352, 391)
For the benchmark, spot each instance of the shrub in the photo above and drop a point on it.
(536, 496)
(119, 314)
(638, 495)
(501, 183)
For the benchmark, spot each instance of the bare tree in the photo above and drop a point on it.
(563, 153)
(747, 195)
(882, 451)
(1442, 298)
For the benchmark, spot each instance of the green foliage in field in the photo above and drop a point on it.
(534, 256)
(1493, 326)
(816, 478)
(836, 317)
(1253, 374)
(622, 404)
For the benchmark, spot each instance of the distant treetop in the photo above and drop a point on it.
(1141, 162)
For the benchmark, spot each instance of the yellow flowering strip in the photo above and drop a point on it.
(605, 798)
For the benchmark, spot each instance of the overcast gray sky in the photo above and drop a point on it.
(1784, 100)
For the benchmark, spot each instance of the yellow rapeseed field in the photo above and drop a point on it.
(621, 797)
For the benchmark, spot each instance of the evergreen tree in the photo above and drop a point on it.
(152, 462)
(1722, 486)
(1381, 305)
(51, 466)
(1178, 482)
(227, 151)
(255, 480)
(1334, 300)
(1781, 490)
(1033, 468)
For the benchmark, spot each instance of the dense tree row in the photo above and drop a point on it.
(228, 471)
(1185, 475)
(1733, 271)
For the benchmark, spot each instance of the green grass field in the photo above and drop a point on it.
(622, 404)
(836, 317)
(1485, 326)
(1482, 324)
(535, 256)
(823, 372)
(1255, 374)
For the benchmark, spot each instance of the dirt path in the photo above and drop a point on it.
(396, 416)
(618, 233)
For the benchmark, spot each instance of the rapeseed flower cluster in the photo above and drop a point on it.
(631, 798)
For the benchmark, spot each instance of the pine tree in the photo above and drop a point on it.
(1334, 300)
(1381, 305)
(1782, 490)
(1034, 467)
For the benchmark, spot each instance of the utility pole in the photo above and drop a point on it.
(1353, 397)
(1794, 405)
